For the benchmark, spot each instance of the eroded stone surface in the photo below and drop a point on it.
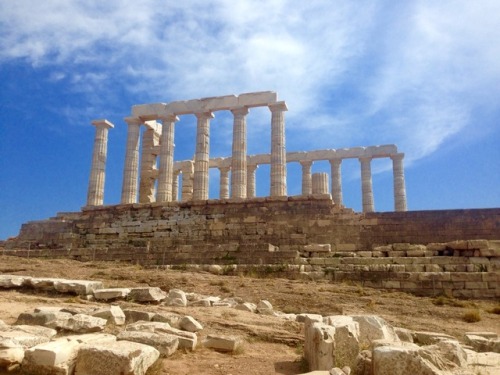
(165, 343)
(222, 343)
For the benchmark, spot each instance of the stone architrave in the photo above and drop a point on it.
(335, 165)
(251, 168)
(278, 152)
(224, 182)
(306, 177)
(95, 196)
(202, 156)
(130, 171)
(366, 184)
(399, 182)
(149, 172)
(239, 156)
(166, 173)
(187, 181)
(175, 186)
(320, 183)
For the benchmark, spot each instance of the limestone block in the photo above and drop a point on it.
(390, 360)
(82, 323)
(48, 309)
(166, 344)
(319, 345)
(257, 99)
(491, 252)
(188, 323)
(445, 354)
(222, 343)
(55, 357)
(46, 332)
(405, 335)
(13, 281)
(112, 314)
(458, 245)
(363, 364)
(49, 319)
(78, 287)
(247, 306)
(318, 248)
(176, 297)
(428, 338)
(346, 337)
(436, 246)
(264, 307)
(121, 357)
(3, 324)
(372, 327)
(482, 342)
(200, 303)
(26, 340)
(92, 338)
(477, 244)
(187, 340)
(172, 319)
(111, 293)
(42, 283)
(11, 353)
(132, 316)
(489, 363)
(146, 294)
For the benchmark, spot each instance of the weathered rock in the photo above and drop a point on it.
(346, 336)
(200, 303)
(47, 319)
(190, 324)
(167, 317)
(301, 318)
(372, 327)
(146, 294)
(112, 314)
(49, 333)
(428, 338)
(11, 353)
(165, 343)
(26, 340)
(82, 323)
(187, 340)
(48, 309)
(319, 345)
(390, 360)
(176, 297)
(363, 364)
(42, 283)
(488, 363)
(132, 316)
(77, 310)
(444, 355)
(405, 335)
(13, 281)
(119, 358)
(109, 294)
(215, 269)
(222, 343)
(3, 324)
(483, 341)
(78, 287)
(247, 306)
(265, 308)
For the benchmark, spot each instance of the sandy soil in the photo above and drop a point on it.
(271, 345)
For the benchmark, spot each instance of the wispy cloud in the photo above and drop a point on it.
(374, 72)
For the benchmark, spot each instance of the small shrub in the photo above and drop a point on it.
(495, 310)
(471, 316)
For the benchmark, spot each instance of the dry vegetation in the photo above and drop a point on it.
(272, 345)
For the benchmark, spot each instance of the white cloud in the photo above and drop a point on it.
(372, 72)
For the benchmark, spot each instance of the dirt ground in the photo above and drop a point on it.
(271, 345)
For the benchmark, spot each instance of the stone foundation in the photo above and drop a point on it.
(458, 251)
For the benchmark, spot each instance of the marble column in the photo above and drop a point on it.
(320, 183)
(306, 177)
(335, 165)
(130, 171)
(251, 168)
(95, 195)
(366, 184)
(399, 182)
(148, 168)
(166, 172)
(202, 156)
(187, 181)
(278, 152)
(175, 186)
(224, 182)
(239, 156)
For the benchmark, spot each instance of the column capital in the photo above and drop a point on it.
(306, 163)
(365, 159)
(204, 115)
(278, 107)
(335, 161)
(252, 167)
(103, 123)
(240, 111)
(399, 156)
(224, 169)
(133, 121)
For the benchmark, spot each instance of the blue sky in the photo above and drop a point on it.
(424, 75)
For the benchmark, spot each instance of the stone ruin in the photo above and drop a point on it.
(312, 235)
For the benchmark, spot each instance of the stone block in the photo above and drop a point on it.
(188, 323)
(265, 307)
(146, 294)
(176, 297)
(55, 357)
(187, 340)
(389, 360)
(247, 306)
(318, 248)
(82, 323)
(112, 314)
(13, 281)
(11, 354)
(429, 338)
(166, 344)
(111, 293)
(132, 316)
(223, 343)
(121, 357)
(372, 327)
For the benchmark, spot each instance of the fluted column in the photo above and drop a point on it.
(320, 183)
(399, 182)
(202, 156)
(130, 171)
(278, 152)
(239, 157)
(335, 165)
(366, 184)
(166, 172)
(95, 195)
(187, 182)
(306, 177)
(175, 186)
(148, 170)
(224, 182)
(251, 168)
